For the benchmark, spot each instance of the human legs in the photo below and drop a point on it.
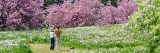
(58, 43)
(52, 43)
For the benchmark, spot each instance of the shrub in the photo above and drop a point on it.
(146, 21)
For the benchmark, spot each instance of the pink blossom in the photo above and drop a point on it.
(20, 12)
(89, 12)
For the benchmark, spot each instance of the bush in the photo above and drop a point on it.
(147, 22)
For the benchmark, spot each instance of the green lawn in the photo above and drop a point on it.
(114, 38)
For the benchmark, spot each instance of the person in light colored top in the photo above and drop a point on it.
(58, 33)
(52, 39)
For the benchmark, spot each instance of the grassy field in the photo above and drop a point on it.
(93, 39)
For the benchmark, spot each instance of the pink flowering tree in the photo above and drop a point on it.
(20, 14)
(89, 12)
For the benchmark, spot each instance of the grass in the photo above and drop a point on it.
(114, 39)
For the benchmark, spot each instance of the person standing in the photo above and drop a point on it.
(52, 39)
(57, 32)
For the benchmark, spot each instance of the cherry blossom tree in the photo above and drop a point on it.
(89, 12)
(21, 14)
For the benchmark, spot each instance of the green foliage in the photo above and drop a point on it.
(20, 47)
(49, 2)
(113, 2)
(147, 21)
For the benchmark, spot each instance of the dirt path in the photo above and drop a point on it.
(44, 48)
